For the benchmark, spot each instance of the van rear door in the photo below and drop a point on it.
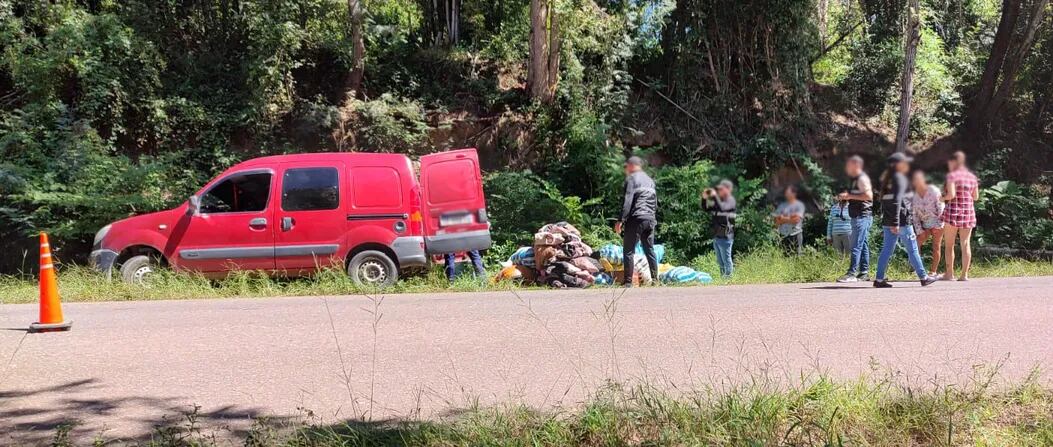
(454, 207)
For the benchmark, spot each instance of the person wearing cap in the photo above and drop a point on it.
(860, 198)
(721, 205)
(638, 218)
(897, 221)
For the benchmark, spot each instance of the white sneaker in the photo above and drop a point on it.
(848, 278)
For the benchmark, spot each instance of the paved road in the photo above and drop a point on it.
(125, 365)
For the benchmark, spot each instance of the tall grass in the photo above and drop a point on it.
(766, 266)
(881, 412)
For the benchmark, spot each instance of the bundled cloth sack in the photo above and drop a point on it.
(524, 256)
(562, 274)
(686, 275)
(613, 253)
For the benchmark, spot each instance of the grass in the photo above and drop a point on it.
(882, 412)
(767, 266)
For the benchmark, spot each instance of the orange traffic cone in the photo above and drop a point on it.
(50, 306)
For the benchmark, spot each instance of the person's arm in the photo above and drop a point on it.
(830, 222)
(899, 190)
(798, 213)
(630, 193)
(951, 192)
(940, 205)
(976, 192)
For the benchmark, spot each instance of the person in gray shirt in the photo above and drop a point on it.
(789, 219)
(638, 218)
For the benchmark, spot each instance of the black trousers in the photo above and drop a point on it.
(638, 231)
(793, 245)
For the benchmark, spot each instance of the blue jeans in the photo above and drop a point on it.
(451, 264)
(723, 248)
(909, 240)
(860, 255)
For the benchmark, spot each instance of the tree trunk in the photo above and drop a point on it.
(911, 37)
(1008, 53)
(356, 12)
(993, 66)
(1015, 59)
(543, 67)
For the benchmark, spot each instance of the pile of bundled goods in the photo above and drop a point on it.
(560, 259)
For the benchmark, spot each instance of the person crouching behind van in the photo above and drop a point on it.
(721, 204)
(839, 227)
(473, 255)
(897, 221)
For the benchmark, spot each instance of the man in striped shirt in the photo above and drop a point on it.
(839, 228)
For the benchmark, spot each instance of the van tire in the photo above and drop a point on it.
(372, 268)
(137, 270)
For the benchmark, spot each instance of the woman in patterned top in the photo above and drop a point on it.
(961, 191)
(928, 209)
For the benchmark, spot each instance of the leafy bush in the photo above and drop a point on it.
(521, 202)
(1014, 215)
(389, 124)
(685, 228)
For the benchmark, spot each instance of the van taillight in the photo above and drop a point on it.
(416, 219)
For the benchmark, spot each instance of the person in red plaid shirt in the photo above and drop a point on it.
(961, 191)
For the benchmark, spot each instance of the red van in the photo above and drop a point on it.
(294, 214)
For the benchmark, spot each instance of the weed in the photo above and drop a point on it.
(763, 266)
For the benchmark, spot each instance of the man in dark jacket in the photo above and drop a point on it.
(721, 205)
(638, 219)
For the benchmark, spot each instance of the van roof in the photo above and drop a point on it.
(358, 157)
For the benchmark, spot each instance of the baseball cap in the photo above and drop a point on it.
(899, 157)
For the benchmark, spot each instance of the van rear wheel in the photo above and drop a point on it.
(139, 269)
(372, 268)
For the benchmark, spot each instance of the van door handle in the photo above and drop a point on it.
(258, 222)
(287, 223)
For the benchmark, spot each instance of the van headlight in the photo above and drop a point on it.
(97, 243)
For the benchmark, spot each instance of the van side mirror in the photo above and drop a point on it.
(193, 205)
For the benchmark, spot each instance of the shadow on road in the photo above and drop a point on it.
(41, 416)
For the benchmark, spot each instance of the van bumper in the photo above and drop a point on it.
(103, 260)
(410, 251)
(457, 242)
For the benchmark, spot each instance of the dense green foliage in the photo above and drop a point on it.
(113, 108)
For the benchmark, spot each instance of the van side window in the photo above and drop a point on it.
(310, 189)
(238, 193)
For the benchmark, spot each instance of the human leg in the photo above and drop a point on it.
(647, 240)
(888, 247)
(451, 265)
(910, 243)
(937, 250)
(722, 247)
(950, 233)
(842, 243)
(477, 262)
(630, 237)
(965, 236)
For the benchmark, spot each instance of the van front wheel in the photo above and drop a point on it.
(372, 268)
(138, 270)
